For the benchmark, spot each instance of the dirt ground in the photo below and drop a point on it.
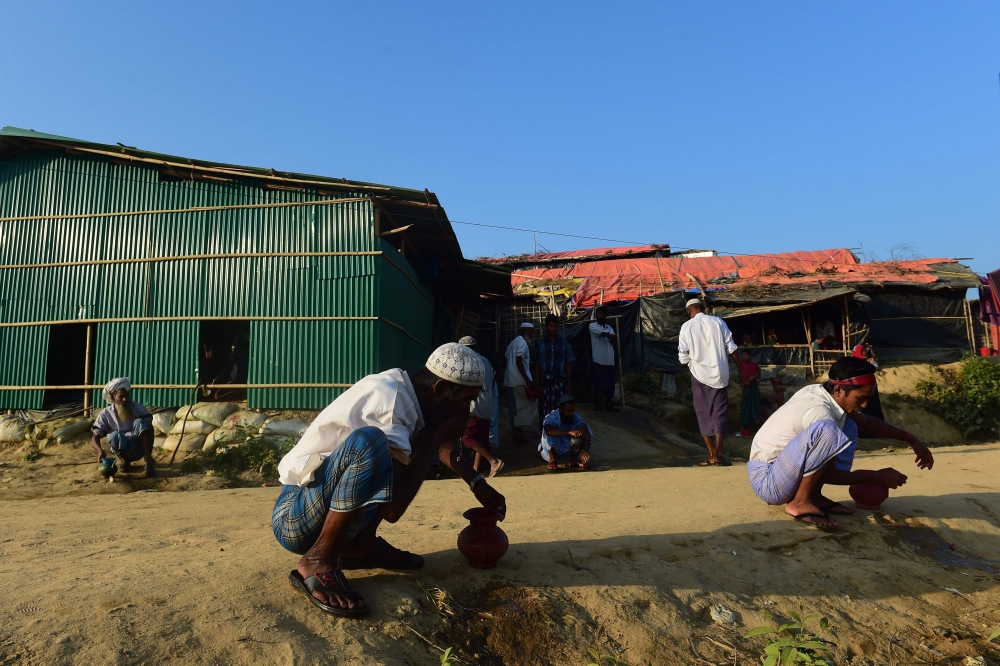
(629, 558)
(629, 561)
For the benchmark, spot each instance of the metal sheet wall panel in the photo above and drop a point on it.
(404, 304)
(24, 356)
(53, 183)
(308, 352)
(163, 352)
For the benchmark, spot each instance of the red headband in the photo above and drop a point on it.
(860, 380)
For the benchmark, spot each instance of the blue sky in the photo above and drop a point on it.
(742, 126)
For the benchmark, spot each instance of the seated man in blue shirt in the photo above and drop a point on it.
(566, 436)
(128, 425)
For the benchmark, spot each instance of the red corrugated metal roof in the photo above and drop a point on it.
(626, 279)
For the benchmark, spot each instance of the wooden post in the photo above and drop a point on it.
(86, 370)
(763, 333)
(805, 324)
(847, 318)
(621, 368)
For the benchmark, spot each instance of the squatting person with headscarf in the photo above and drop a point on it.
(362, 462)
(811, 442)
(127, 424)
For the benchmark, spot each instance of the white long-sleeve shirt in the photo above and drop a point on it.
(517, 349)
(386, 401)
(604, 353)
(704, 346)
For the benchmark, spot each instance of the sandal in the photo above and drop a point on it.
(802, 519)
(552, 467)
(328, 581)
(838, 509)
(384, 556)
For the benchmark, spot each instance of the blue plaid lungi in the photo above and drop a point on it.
(777, 482)
(357, 475)
(126, 445)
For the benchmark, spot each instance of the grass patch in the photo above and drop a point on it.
(255, 457)
(968, 398)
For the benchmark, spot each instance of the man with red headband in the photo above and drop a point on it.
(812, 439)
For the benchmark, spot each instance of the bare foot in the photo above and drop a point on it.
(335, 594)
(495, 467)
(795, 510)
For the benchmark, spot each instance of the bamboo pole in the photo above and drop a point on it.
(191, 257)
(132, 320)
(847, 317)
(621, 368)
(86, 368)
(176, 211)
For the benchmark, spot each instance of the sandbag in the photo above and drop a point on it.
(214, 412)
(71, 429)
(11, 429)
(188, 411)
(189, 443)
(291, 428)
(245, 419)
(278, 442)
(162, 422)
(192, 428)
(225, 437)
(158, 442)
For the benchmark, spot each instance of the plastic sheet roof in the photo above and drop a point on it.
(755, 277)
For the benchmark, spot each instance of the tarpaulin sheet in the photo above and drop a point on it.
(917, 325)
(625, 279)
(989, 299)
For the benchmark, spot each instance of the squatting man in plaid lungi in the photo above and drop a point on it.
(811, 442)
(362, 461)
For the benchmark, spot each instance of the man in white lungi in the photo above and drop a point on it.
(519, 386)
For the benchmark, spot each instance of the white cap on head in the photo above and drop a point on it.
(526, 324)
(468, 341)
(693, 301)
(457, 364)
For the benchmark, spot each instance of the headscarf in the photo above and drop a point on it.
(114, 386)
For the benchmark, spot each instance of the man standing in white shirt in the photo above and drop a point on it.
(812, 439)
(602, 344)
(362, 461)
(519, 386)
(705, 346)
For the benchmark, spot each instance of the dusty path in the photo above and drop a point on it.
(623, 559)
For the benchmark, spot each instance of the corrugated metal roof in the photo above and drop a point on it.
(627, 278)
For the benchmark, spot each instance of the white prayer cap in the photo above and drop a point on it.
(468, 341)
(526, 324)
(692, 302)
(114, 386)
(457, 364)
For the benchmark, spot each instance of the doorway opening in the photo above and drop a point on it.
(224, 353)
(67, 364)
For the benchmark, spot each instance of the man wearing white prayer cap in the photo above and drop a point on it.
(705, 346)
(362, 461)
(520, 388)
(127, 424)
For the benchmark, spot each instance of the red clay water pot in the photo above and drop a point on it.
(869, 495)
(482, 542)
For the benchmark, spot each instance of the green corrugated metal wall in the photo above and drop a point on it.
(53, 183)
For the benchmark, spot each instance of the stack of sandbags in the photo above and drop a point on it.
(11, 429)
(235, 430)
(278, 432)
(194, 430)
(162, 422)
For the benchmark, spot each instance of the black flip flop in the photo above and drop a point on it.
(802, 519)
(826, 509)
(311, 584)
(379, 559)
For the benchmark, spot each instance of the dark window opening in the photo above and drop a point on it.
(224, 353)
(66, 363)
